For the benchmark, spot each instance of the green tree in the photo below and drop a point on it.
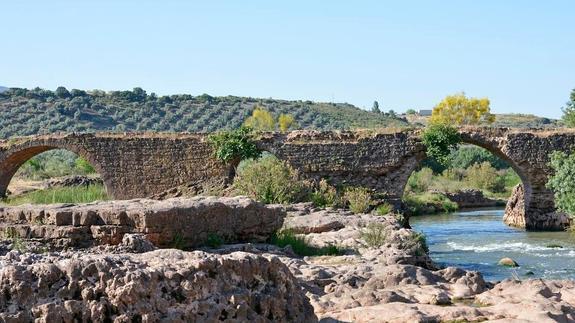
(410, 111)
(569, 111)
(233, 146)
(62, 92)
(562, 183)
(375, 107)
(439, 139)
(84, 166)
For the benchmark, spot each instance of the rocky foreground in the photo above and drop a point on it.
(382, 274)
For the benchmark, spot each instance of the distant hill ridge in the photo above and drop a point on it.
(27, 112)
(37, 111)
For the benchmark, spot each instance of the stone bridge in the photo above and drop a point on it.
(139, 165)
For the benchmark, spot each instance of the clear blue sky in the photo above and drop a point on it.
(405, 54)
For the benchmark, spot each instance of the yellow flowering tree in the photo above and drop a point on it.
(261, 120)
(458, 109)
(285, 122)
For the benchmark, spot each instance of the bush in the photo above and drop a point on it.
(358, 199)
(269, 180)
(467, 156)
(439, 140)
(562, 183)
(374, 235)
(420, 181)
(384, 209)
(428, 203)
(235, 145)
(325, 195)
(301, 246)
(484, 176)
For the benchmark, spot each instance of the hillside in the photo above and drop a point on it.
(27, 112)
(511, 120)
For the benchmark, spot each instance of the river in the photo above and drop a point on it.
(476, 240)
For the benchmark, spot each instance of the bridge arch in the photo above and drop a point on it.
(16, 155)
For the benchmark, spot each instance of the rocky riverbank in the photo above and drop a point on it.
(381, 273)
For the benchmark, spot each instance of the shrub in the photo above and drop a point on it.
(439, 140)
(485, 177)
(214, 240)
(562, 183)
(325, 195)
(420, 181)
(428, 203)
(467, 156)
(261, 120)
(269, 180)
(384, 209)
(374, 235)
(234, 145)
(358, 199)
(301, 246)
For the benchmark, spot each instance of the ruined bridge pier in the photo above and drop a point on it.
(140, 165)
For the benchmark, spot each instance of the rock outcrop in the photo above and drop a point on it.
(472, 198)
(158, 286)
(177, 222)
(515, 213)
(73, 180)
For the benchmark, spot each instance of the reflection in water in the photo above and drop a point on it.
(476, 240)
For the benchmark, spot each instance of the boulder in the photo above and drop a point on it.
(176, 222)
(158, 286)
(508, 262)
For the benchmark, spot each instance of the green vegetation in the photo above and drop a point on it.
(54, 163)
(14, 237)
(325, 195)
(234, 145)
(466, 168)
(384, 209)
(214, 240)
(300, 245)
(27, 112)
(79, 194)
(569, 111)
(269, 180)
(374, 235)
(563, 181)
(428, 203)
(358, 199)
(439, 139)
(178, 241)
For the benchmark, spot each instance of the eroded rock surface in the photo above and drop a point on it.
(158, 286)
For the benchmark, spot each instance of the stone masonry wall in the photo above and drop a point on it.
(141, 165)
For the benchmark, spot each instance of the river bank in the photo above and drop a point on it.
(379, 271)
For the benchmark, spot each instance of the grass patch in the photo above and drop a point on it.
(384, 209)
(358, 198)
(374, 235)
(79, 194)
(301, 246)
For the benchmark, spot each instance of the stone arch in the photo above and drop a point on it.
(492, 145)
(15, 156)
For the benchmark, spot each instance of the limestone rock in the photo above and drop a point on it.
(158, 286)
(507, 262)
(188, 221)
(137, 243)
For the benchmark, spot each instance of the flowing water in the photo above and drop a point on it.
(476, 240)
